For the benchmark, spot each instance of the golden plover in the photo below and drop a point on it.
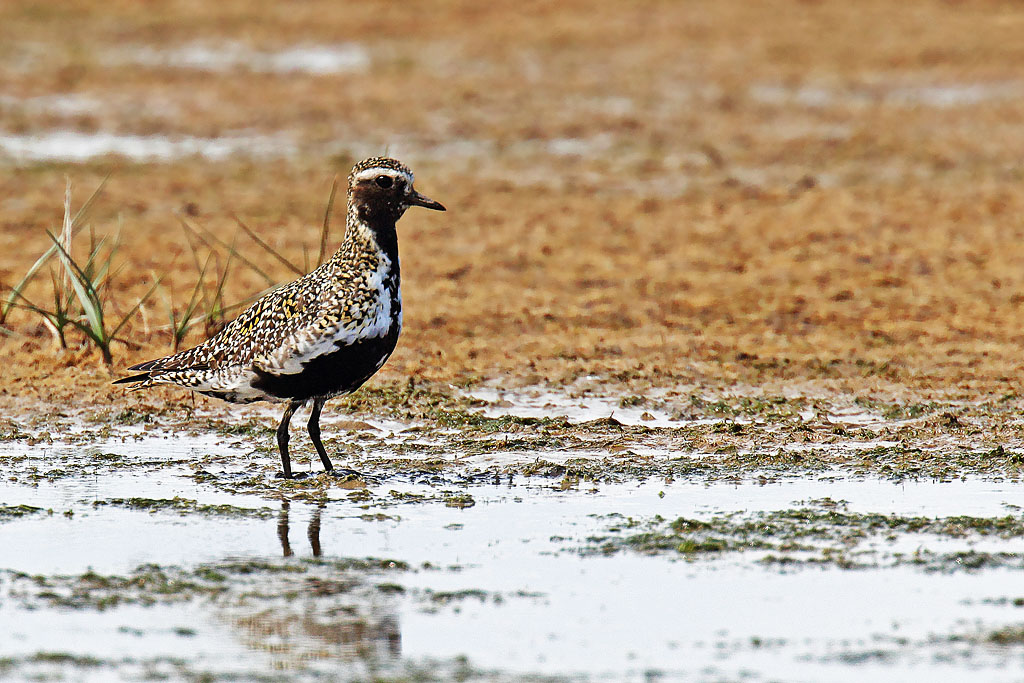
(320, 336)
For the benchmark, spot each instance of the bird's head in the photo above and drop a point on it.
(383, 188)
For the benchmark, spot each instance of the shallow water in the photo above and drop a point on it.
(69, 145)
(226, 56)
(540, 402)
(895, 94)
(497, 590)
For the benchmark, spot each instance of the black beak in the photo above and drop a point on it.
(416, 199)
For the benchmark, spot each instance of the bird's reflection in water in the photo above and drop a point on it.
(333, 611)
(312, 531)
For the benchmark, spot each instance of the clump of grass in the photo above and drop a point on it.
(202, 306)
(91, 285)
(81, 288)
(181, 322)
(70, 228)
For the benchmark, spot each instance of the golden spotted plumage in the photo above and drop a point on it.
(323, 334)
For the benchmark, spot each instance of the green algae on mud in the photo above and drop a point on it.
(819, 532)
(241, 583)
(151, 584)
(184, 506)
(777, 436)
(55, 665)
(438, 434)
(8, 512)
(1011, 635)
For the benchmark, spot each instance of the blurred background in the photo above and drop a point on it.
(651, 192)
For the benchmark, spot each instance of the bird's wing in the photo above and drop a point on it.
(265, 325)
(331, 326)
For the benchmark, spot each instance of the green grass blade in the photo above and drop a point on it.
(84, 211)
(136, 307)
(16, 290)
(266, 247)
(207, 236)
(326, 228)
(88, 297)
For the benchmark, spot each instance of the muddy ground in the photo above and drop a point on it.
(767, 256)
(679, 195)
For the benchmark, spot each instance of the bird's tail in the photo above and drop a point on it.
(134, 379)
(152, 371)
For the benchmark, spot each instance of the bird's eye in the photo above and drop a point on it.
(385, 181)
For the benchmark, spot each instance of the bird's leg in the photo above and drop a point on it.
(282, 438)
(314, 434)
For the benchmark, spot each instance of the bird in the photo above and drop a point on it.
(320, 336)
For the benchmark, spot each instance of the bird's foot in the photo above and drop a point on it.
(294, 475)
(345, 474)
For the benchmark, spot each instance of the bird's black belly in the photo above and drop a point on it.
(338, 372)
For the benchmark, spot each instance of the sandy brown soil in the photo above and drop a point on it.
(658, 193)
